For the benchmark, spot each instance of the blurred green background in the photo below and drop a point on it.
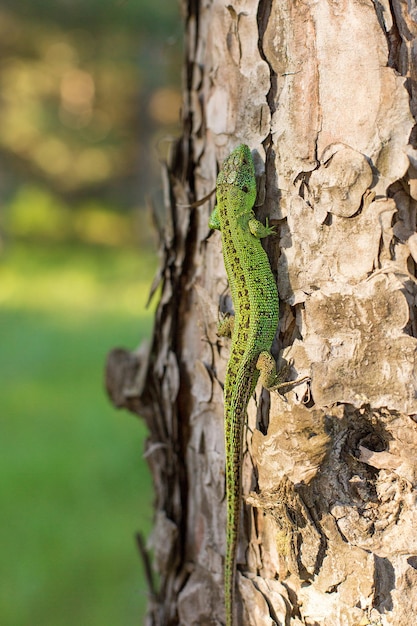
(89, 101)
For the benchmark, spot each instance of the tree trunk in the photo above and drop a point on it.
(323, 93)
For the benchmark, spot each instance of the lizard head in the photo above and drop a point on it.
(238, 172)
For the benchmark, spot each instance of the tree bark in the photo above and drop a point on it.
(324, 94)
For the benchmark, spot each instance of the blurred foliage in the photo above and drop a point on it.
(36, 214)
(74, 485)
(87, 90)
(150, 16)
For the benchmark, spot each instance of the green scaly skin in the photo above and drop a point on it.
(255, 300)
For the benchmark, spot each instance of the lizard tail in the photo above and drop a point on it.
(233, 485)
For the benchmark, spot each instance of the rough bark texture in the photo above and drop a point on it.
(324, 92)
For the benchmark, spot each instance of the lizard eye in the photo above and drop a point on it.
(245, 189)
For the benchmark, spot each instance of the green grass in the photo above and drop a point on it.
(74, 485)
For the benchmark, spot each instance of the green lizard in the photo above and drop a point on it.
(253, 328)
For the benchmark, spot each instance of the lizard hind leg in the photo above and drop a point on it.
(225, 326)
(269, 377)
